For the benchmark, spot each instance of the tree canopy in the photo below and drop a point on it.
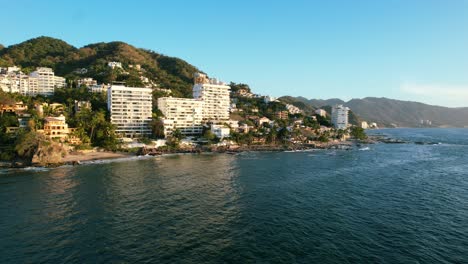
(167, 72)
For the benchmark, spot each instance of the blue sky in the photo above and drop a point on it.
(403, 49)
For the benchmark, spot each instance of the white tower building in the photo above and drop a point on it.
(130, 109)
(46, 82)
(215, 97)
(183, 114)
(339, 116)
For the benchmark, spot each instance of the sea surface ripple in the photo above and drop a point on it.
(391, 203)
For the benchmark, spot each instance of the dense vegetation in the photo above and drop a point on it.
(64, 59)
(93, 127)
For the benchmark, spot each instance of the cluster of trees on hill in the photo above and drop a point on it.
(64, 59)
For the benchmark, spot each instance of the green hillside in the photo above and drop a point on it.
(167, 72)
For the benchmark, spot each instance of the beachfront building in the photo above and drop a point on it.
(211, 104)
(183, 114)
(130, 109)
(215, 97)
(220, 131)
(56, 128)
(339, 116)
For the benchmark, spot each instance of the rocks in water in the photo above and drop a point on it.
(426, 143)
(387, 140)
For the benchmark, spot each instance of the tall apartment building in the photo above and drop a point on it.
(46, 82)
(339, 116)
(130, 109)
(42, 81)
(5, 84)
(215, 97)
(9, 83)
(60, 82)
(211, 103)
(33, 86)
(16, 82)
(183, 114)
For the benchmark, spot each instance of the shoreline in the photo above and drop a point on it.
(76, 158)
(85, 157)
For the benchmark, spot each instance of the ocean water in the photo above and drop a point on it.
(381, 203)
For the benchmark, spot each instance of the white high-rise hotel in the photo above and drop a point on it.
(210, 104)
(339, 116)
(130, 109)
(215, 97)
(42, 81)
(46, 82)
(183, 114)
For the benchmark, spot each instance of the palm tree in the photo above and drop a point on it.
(177, 134)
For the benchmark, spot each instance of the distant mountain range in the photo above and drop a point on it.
(395, 113)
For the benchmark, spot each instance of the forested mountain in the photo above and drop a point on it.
(390, 113)
(66, 60)
(407, 114)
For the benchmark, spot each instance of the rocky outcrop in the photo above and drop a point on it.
(49, 153)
